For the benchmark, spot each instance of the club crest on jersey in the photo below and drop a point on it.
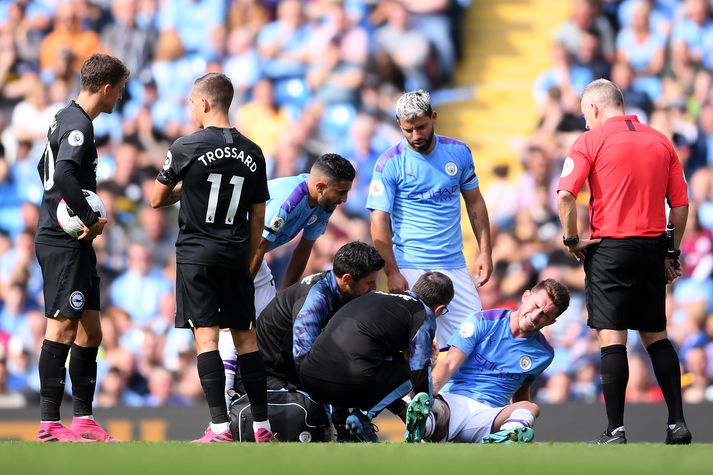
(467, 330)
(567, 167)
(75, 138)
(451, 168)
(167, 161)
(312, 219)
(376, 188)
(525, 362)
(76, 300)
(276, 223)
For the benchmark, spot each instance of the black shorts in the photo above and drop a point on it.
(626, 284)
(70, 280)
(214, 296)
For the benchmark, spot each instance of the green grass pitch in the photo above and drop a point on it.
(136, 458)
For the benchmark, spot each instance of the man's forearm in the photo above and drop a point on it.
(567, 206)
(480, 222)
(678, 216)
(381, 236)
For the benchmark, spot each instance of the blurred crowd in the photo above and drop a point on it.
(311, 77)
(660, 54)
(316, 76)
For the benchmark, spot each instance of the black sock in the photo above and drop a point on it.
(210, 370)
(668, 373)
(339, 416)
(252, 372)
(52, 373)
(83, 372)
(614, 377)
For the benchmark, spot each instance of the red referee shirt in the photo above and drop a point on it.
(631, 169)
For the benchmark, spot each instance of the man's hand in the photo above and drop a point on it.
(93, 231)
(673, 270)
(397, 282)
(483, 269)
(434, 353)
(579, 250)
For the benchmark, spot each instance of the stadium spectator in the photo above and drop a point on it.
(626, 256)
(643, 50)
(131, 36)
(586, 16)
(414, 195)
(262, 119)
(687, 40)
(406, 68)
(143, 282)
(199, 25)
(69, 39)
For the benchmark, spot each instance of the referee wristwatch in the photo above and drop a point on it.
(570, 241)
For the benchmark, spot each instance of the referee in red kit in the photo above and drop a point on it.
(632, 171)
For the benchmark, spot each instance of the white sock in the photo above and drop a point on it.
(518, 418)
(90, 417)
(430, 425)
(226, 348)
(218, 428)
(261, 425)
(618, 429)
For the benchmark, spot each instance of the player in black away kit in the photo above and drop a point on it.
(223, 189)
(71, 283)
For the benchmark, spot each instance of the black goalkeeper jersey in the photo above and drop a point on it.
(223, 175)
(68, 165)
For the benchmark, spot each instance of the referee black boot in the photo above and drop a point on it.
(617, 436)
(678, 434)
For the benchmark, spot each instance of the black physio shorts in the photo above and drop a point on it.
(213, 296)
(626, 284)
(70, 280)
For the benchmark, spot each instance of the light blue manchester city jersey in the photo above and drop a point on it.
(422, 195)
(287, 212)
(497, 364)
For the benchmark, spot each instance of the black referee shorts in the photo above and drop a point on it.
(70, 280)
(214, 296)
(626, 284)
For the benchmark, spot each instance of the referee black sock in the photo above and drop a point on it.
(52, 373)
(252, 372)
(614, 377)
(210, 371)
(83, 371)
(668, 373)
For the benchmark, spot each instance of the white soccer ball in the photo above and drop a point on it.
(70, 223)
